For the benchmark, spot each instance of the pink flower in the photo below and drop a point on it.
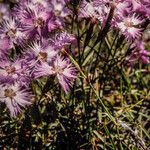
(139, 54)
(37, 20)
(130, 26)
(41, 3)
(39, 52)
(65, 72)
(4, 12)
(11, 33)
(34, 3)
(62, 68)
(13, 71)
(59, 8)
(61, 40)
(87, 10)
(15, 98)
(5, 45)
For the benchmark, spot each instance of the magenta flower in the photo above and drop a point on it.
(13, 71)
(38, 21)
(11, 33)
(15, 98)
(102, 11)
(61, 40)
(62, 68)
(137, 5)
(39, 52)
(146, 8)
(142, 7)
(5, 45)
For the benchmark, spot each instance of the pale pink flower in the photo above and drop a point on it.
(11, 33)
(15, 98)
(87, 10)
(130, 26)
(39, 52)
(62, 68)
(13, 71)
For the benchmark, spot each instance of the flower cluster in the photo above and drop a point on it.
(128, 16)
(30, 48)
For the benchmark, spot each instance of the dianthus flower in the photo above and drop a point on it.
(36, 20)
(33, 4)
(13, 71)
(62, 68)
(87, 10)
(103, 8)
(142, 7)
(62, 39)
(15, 98)
(39, 52)
(11, 33)
(130, 26)
(139, 54)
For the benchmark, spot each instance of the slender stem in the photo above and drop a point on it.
(97, 96)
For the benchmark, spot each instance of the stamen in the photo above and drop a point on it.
(10, 93)
(39, 22)
(10, 69)
(11, 33)
(58, 70)
(43, 56)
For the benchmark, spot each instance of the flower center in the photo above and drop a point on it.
(42, 56)
(58, 9)
(9, 93)
(128, 23)
(39, 22)
(58, 70)
(10, 69)
(11, 33)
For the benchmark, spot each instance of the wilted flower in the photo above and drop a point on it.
(15, 98)
(37, 20)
